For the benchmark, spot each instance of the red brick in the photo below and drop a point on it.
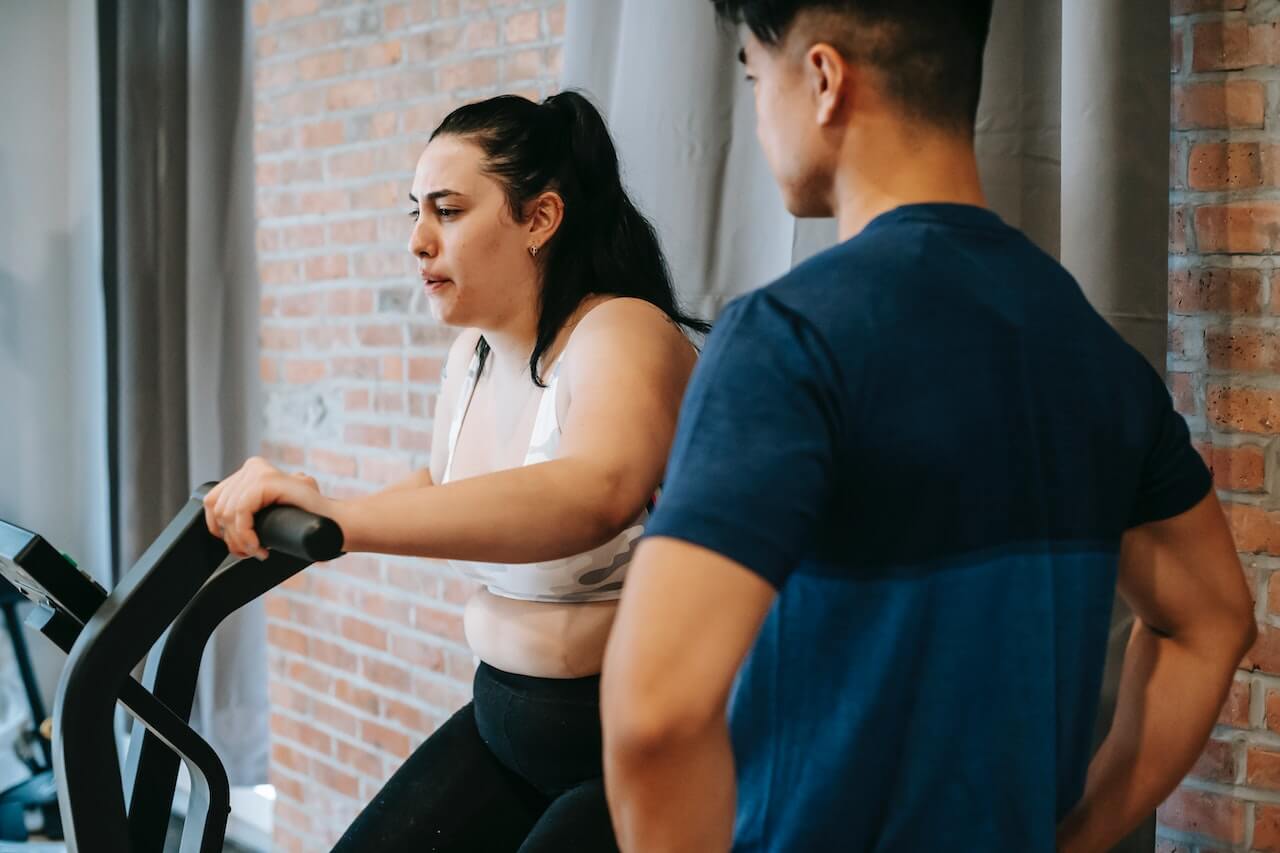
(359, 759)
(481, 34)
(1232, 45)
(278, 272)
(1255, 530)
(336, 464)
(413, 439)
(394, 18)
(355, 366)
(385, 739)
(301, 170)
(526, 65)
(364, 633)
(284, 756)
(326, 713)
(322, 134)
(332, 654)
(418, 654)
(326, 267)
(349, 302)
(301, 371)
(384, 471)
(380, 335)
(1217, 763)
(1175, 50)
(1182, 389)
(1266, 829)
(352, 232)
(392, 368)
(439, 623)
(287, 639)
(284, 454)
(1179, 216)
(308, 236)
(360, 698)
(1226, 104)
(329, 337)
(413, 578)
(1240, 469)
(524, 27)
(1241, 228)
(1235, 710)
(1242, 349)
(468, 74)
(387, 675)
(1265, 654)
(351, 95)
(1235, 291)
(368, 435)
(303, 673)
(1220, 166)
(334, 779)
(378, 55)
(319, 66)
(1204, 813)
(1252, 410)
(410, 717)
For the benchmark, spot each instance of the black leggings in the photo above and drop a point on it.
(517, 769)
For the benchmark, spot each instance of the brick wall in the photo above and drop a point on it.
(366, 654)
(1224, 362)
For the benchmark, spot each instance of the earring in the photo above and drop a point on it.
(533, 250)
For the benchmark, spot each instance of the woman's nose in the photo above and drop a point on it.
(422, 241)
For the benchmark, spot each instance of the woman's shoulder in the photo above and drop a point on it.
(629, 316)
(624, 327)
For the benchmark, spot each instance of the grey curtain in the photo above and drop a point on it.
(53, 470)
(181, 279)
(1072, 141)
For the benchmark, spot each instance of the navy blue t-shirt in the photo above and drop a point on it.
(930, 444)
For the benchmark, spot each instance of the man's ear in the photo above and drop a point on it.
(827, 76)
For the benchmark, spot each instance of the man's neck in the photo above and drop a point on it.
(893, 167)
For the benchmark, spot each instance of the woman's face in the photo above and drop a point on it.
(472, 255)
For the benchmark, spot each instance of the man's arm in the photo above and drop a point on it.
(1194, 621)
(687, 620)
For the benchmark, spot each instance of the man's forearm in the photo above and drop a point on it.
(674, 794)
(1169, 698)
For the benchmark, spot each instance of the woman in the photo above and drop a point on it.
(557, 410)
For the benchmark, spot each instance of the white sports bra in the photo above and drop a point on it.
(594, 575)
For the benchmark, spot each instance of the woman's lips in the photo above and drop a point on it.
(431, 285)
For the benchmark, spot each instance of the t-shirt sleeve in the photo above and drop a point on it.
(750, 470)
(1174, 476)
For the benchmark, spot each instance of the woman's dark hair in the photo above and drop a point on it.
(604, 244)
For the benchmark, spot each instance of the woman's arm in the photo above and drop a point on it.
(625, 370)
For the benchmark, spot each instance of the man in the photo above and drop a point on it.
(908, 479)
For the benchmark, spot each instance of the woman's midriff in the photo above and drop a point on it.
(543, 639)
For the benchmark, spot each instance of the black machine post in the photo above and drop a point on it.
(176, 586)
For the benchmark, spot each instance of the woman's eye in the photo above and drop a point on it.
(413, 214)
(447, 212)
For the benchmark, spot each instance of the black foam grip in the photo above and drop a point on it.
(298, 533)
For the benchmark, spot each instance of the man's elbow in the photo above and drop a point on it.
(640, 728)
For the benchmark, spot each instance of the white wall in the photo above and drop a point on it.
(52, 403)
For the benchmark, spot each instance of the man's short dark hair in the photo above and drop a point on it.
(929, 51)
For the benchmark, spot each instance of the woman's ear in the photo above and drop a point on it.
(546, 214)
